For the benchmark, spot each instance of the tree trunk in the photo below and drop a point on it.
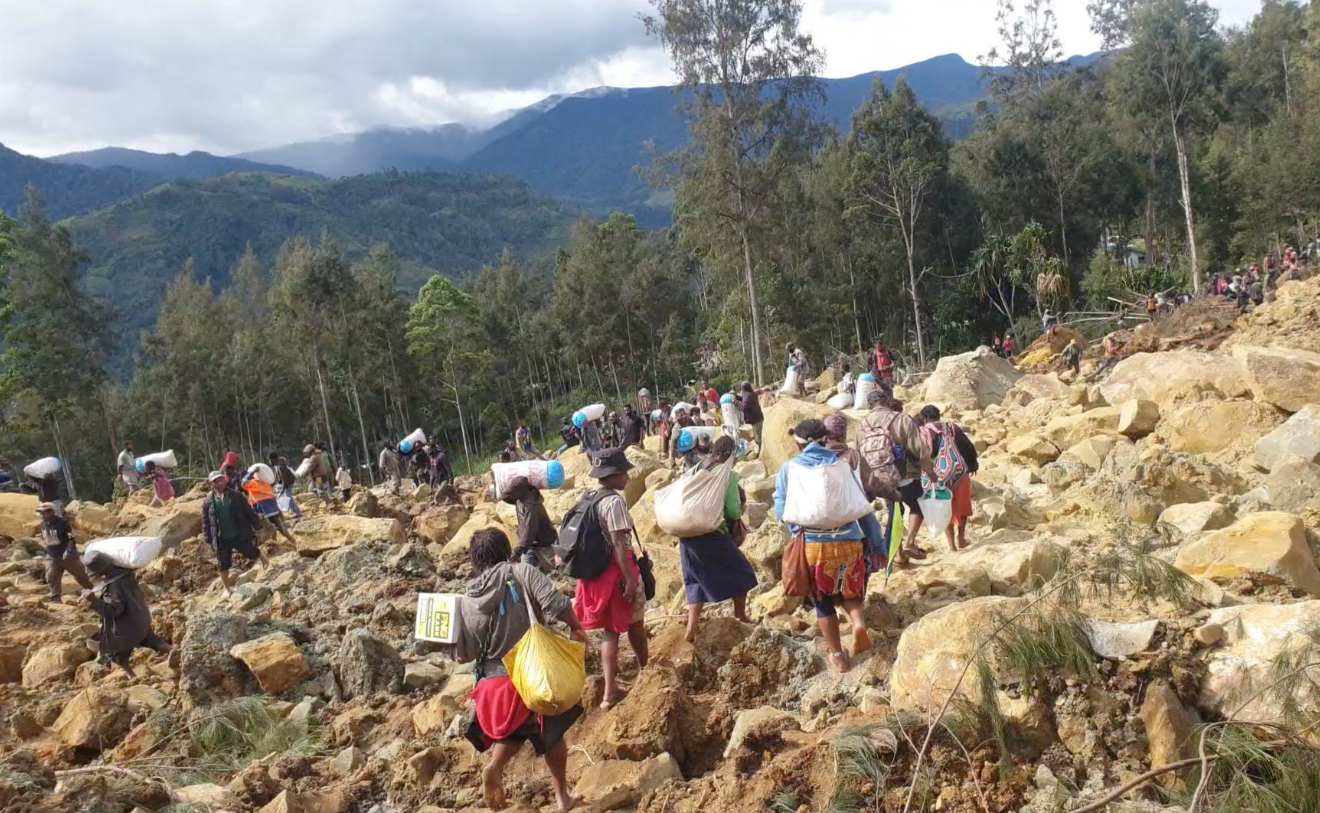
(852, 289)
(758, 368)
(325, 405)
(1184, 178)
(915, 291)
(64, 460)
(462, 431)
(1150, 211)
(1063, 229)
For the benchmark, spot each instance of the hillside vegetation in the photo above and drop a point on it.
(434, 223)
(69, 189)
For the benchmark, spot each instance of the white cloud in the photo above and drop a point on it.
(233, 75)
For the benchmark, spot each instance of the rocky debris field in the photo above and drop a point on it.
(1142, 563)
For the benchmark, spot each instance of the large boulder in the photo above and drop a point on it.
(1173, 377)
(1269, 547)
(1034, 387)
(644, 464)
(275, 660)
(1090, 453)
(95, 719)
(438, 524)
(1169, 727)
(179, 520)
(90, 519)
(1283, 376)
(1214, 427)
(455, 552)
(1138, 418)
(18, 515)
(611, 784)
(207, 671)
(1294, 486)
(934, 651)
(777, 446)
(764, 548)
(1033, 448)
(53, 662)
(1298, 437)
(367, 665)
(316, 535)
(1069, 430)
(1244, 664)
(972, 380)
(1186, 519)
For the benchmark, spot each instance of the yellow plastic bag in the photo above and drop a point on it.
(548, 670)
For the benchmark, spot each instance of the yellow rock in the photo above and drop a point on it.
(1208, 428)
(1268, 546)
(275, 660)
(18, 515)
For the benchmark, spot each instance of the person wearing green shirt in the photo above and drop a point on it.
(714, 569)
(229, 524)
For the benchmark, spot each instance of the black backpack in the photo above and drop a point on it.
(583, 545)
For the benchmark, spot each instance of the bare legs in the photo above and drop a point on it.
(492, 776)
(694, 616)
(609, 658)
(829, 630)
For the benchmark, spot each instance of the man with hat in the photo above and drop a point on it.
(229, 524)
(614, 602)
(61, 552)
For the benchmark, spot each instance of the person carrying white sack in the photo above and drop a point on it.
(836, 557)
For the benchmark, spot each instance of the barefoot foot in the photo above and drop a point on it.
(492, 789)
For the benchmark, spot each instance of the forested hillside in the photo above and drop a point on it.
(172, 165)
(434, 223)
(68, 189)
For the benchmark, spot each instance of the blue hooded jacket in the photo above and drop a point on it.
(867, 528)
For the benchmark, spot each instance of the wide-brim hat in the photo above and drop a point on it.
(46, 506)
(610, 462)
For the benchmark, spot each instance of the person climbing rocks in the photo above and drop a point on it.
(1072, 356)
(125, 616)
(950, 444)
(61, 553)
(714, 569)
(495, 618)
(536, 532)
(229, 525)
(890, 441)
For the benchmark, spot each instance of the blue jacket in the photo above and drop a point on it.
(867, 528)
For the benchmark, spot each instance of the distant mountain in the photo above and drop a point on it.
(171, 166)
(448, 223)
(67, 189)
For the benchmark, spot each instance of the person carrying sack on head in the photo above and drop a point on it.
(61, 553)
(125, 616)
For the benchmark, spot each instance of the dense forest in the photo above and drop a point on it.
(1190, 151)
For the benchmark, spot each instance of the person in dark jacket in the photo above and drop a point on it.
(61, 553)
(536, 533)
(125, 616)
(229, 524)
(495, 617)
(441, 471)
(751, 409)
(937, 432)
(631, 428)
(47, 490)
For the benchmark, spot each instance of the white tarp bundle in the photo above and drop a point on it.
(132, 552)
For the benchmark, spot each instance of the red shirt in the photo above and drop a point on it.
(712, 397)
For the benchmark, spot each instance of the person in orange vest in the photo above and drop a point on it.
(261, 496)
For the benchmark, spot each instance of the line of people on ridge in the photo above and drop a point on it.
(897, 458)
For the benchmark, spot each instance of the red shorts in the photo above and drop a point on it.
(600, 604)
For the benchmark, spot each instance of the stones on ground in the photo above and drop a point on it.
(1268, 547)
(173, 523)
(785, 414)
(438, 524)
(18, 515)
(1296, 438)
(1034, 448)
(348, 760)
(1286, 377)
(53, 662)
(316, 535)
(1185, 519)
(1036, 386)
(972, 380)
(1294, 486)
(1119, 641)
(275, 661)
(455, 551)
(933, 652)
(764, 548)
(755, 723)
(1239, 670)
(207, 794)
(1214, 427)
(1169, 727)
(644, 464)
(612, 784)
(423, 675)
(206, 669)
(1138, 417)
(293, 802)
(95, 719)
(1091, 452)
(11, 662)
(367, 665)
(1070, 430)
(1173, 377)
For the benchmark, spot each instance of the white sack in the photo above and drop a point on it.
(132, 552)
(693, 505)
(824, 497)
(45, 467)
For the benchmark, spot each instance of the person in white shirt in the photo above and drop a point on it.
(127, 465)
(344, 481)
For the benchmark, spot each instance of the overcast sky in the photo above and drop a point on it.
(233, 75)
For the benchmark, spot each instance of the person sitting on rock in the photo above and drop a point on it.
(125, 616)
(229, 524)
(494, 619)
